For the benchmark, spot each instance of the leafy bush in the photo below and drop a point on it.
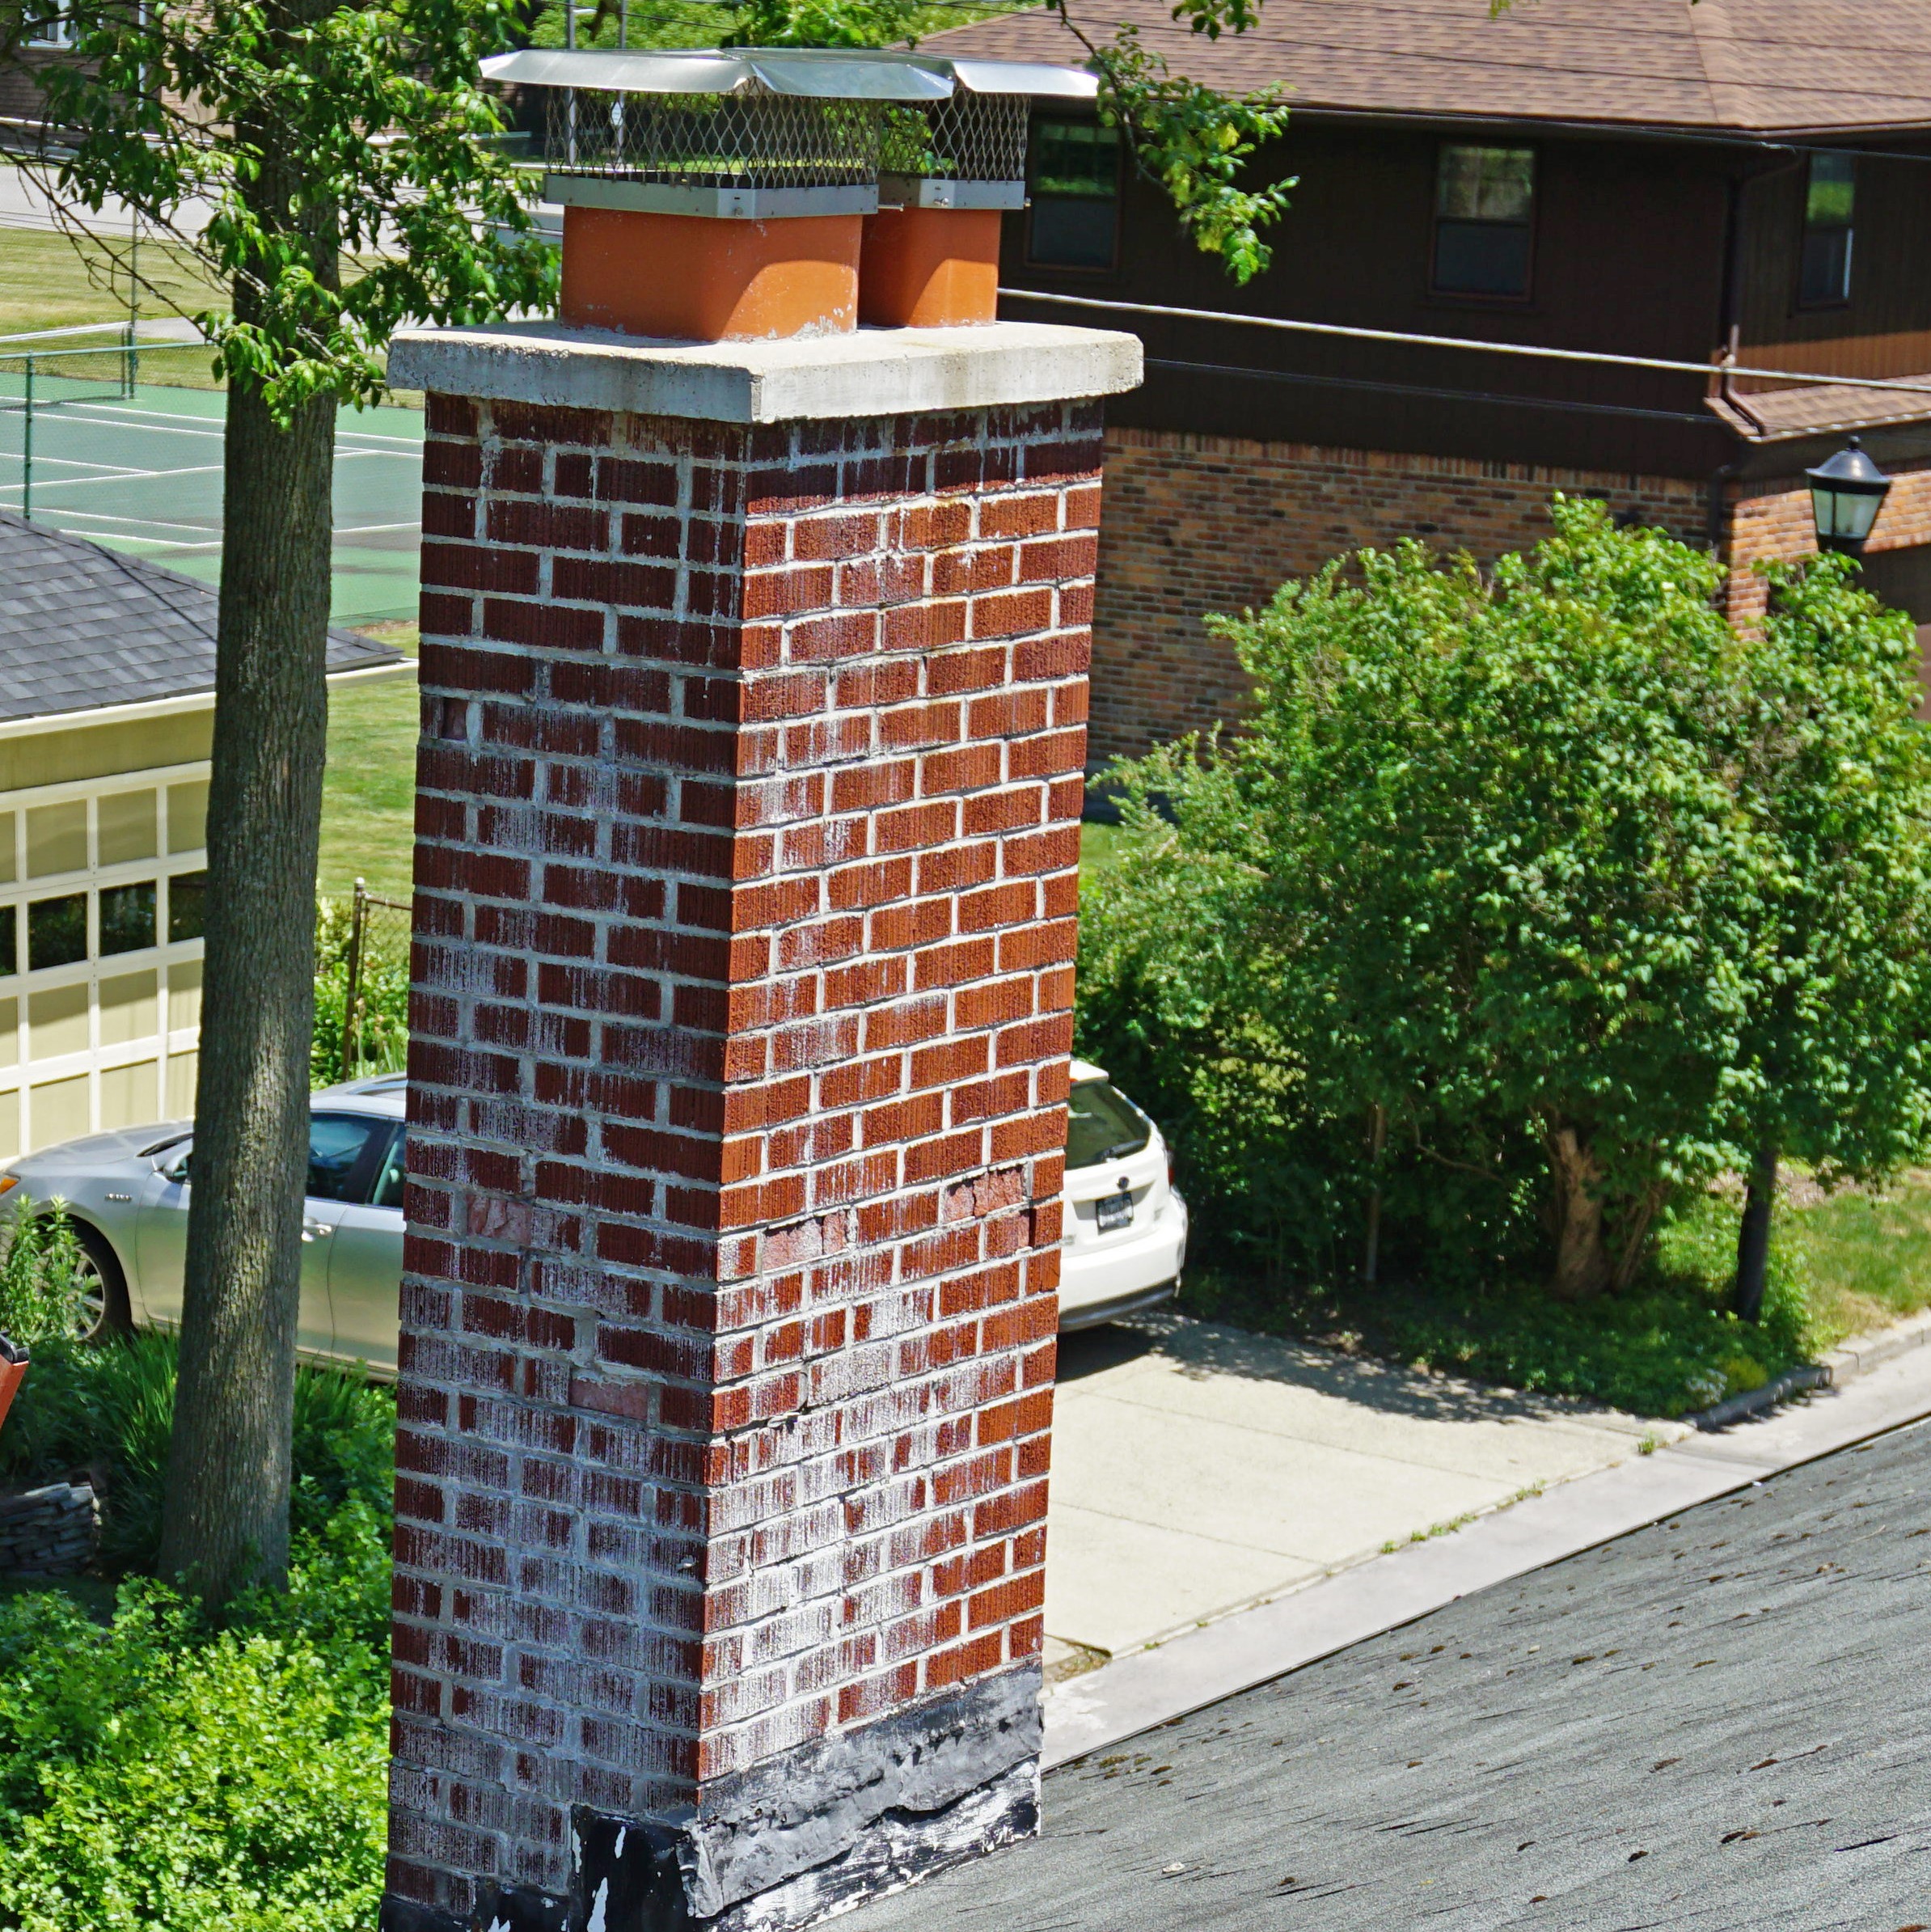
(166, 1774)
(40, 1279)
(384, 998)
(111, 1407)
(1529, 902)
(159, 1775)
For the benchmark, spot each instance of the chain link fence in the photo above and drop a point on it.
(108, 436)
(361, 986)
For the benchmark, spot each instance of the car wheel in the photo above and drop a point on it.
(103, 1287)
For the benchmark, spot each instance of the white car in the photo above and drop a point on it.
(1124, 1241)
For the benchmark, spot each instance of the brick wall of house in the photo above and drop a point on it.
(745, 893)
(1197, 524)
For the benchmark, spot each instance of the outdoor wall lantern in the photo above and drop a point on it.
(729, 195)
(1846, 494)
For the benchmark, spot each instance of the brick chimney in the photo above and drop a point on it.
(754, 688)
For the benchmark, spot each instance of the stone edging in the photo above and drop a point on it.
(1857, 1356)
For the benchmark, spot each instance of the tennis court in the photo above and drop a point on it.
(124, 445)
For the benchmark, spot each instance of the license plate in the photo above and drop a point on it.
(1113, 1211)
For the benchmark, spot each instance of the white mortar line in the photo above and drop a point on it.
(1150, 1687)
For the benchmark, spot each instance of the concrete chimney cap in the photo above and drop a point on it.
(825, 74)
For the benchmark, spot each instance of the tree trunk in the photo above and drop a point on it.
(1582, 1268)
(1371, 1257)
(225, 1522)
(1753, 1236)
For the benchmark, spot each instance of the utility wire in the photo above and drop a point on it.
(1601, 358)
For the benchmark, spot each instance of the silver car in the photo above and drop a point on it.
(1122, 1249)
(127, 1193)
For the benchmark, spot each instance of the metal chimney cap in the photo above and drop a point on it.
(824, 74)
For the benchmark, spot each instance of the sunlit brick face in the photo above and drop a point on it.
(746, 894)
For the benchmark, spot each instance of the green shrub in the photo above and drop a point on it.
(40, 1281)
(1527, 901)
(162, 1774)
(157, 1776)
(383, 1035)
(111, 1407)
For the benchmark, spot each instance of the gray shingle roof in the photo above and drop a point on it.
(82, 627)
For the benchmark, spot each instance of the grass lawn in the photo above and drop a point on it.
(369, 790)
(1868, 1257)
(46, 282)
(1840, 1265)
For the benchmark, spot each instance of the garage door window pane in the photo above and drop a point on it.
(57, 931)
(9, 962)
(186, 898)
(127, 918)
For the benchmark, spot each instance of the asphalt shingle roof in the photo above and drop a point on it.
(1755, 66)
(82, 627)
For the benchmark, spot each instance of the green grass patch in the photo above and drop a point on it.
(46, 282)
(1840, 1266)
(369, 790)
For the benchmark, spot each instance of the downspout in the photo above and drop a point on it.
(1730, 319)
(1729, 326)
(1729, 301)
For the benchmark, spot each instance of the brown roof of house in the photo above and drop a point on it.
(1779, 414)
(1756, 66)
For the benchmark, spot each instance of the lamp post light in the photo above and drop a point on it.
(1846, 494)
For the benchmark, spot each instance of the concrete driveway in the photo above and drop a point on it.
(1197, 1470)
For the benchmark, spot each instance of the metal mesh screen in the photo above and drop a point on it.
(744, 140)
(968, 138)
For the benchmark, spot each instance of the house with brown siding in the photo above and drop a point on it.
(1746, 181)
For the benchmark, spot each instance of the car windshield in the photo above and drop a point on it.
(1102, 1124)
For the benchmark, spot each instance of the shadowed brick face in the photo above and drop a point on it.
(746, 838)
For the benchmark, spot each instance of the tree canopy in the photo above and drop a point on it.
(1546, 867)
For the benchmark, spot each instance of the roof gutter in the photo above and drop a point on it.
(177, 707)
(1829, 139)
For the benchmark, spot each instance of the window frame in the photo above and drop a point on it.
(56, 33)
(1117, 198)
(1531, 228)
(1811, 305)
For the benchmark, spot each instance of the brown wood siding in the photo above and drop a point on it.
(1885, 328)
(1628, 256)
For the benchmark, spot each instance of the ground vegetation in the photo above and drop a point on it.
(343, 155)
(1525, 904)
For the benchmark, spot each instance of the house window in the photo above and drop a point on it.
(1074, 187)
(50, 25)
(1484, 202)
(1829, 200)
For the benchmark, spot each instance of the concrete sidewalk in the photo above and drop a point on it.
(1197, 1470)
